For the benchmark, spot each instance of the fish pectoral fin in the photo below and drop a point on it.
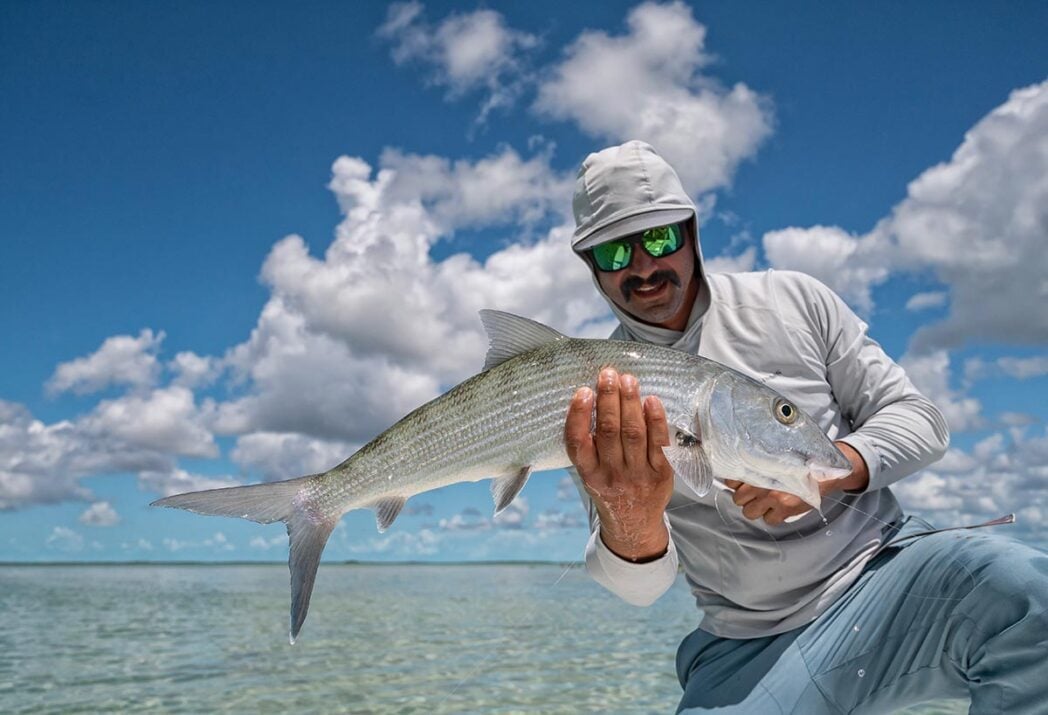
(386, 511)
(690, 463)
(505, 488)
(510, 335)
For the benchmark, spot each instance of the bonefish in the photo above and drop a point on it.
(508, 421)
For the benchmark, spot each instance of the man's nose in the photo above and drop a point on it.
(641, 261)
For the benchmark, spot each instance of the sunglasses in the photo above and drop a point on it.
(657, 243)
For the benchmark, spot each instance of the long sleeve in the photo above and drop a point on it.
(895, 428)
(636, 584)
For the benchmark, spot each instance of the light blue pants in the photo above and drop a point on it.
(957, 614)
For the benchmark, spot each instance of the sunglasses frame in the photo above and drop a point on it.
(640, 240)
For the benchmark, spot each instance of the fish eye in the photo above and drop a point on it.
(785, 412)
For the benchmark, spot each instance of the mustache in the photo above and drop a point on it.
(634, 282)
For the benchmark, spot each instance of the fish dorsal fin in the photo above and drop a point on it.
(510, 335)
(506, 487)
(386, 511)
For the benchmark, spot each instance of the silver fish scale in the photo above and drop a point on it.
(505, 418)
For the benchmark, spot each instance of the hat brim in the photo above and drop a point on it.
(632, 224)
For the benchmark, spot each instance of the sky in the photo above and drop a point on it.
(238, 240)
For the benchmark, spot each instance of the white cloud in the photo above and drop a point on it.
(999, 475)
(63, 539)
(121, 360)
(264, 544)
(930, 373)
(100, 513)
(979, 221)
(554, 519)
(41, 463)
(466, 51)
(350, 342)
(165, 420)
(193, 371)
(1024, 368)
(726, 263)
(923, 301)
(850, 265)
(216, 543)
(285, 455)
(647, 84)
(424, 542)
(176, 481)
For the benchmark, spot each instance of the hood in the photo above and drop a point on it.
(623, 190)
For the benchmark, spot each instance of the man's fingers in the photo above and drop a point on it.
(746, 493)
(658, 432)
(607, 437)
(632, 431)
(577, 438)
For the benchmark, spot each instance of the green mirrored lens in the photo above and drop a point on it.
(658, 242)
(662, 241)
(613, 255)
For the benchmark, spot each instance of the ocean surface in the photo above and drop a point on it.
(379, 639)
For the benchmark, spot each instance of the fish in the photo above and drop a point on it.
(507, 421)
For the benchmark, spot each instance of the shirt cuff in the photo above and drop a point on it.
(638, 584)
(872, 458)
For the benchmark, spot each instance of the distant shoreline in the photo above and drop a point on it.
(47, 564)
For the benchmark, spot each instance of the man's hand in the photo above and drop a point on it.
(775, 507)
(622, 465)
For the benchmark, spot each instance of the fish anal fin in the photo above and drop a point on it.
(510, 335)
(386, 511)
(505, 488)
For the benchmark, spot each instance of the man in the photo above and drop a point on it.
(853, 610)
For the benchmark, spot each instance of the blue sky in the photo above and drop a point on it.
(237, 241)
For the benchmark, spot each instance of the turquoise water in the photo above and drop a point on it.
(379, 639)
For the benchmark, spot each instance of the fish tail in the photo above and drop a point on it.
(292, 502)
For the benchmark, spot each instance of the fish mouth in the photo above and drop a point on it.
(824, 472)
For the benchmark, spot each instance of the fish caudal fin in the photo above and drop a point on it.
(289, 501)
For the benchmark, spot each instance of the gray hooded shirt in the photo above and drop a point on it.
(792, 333)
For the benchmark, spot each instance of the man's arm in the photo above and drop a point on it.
(895, 429)
(629, 483)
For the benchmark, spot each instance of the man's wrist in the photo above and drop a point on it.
(637, 548)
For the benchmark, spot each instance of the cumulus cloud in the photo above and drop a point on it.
(283, 455)
(930, 373)
(648, 84)
(100, 513)
(980, 220)
(193, 371)
(850, 265)
(64, 539)
(465, 51)
(1000, 474)
(176, 481)
(977, 223)
(554, 519)
(43, 463)
(121, 360)
(350, 342)
(923, 301)
(165, 420)
(728, 263)
(216, 543)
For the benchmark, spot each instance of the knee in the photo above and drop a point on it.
(1005, 573)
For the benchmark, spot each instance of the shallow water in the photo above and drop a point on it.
(404, 639)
